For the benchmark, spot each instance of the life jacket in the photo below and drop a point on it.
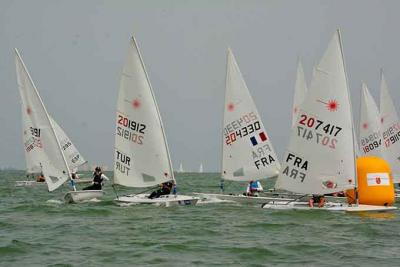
(97, 179)
(254, 186)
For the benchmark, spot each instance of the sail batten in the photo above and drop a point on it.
(247, 151)
(141, 155)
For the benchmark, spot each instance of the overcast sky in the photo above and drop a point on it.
(75, 51)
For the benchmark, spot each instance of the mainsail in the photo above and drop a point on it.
(201, 168)
(320, 156)
(300, 91)
(39, 136)
(71, 153)
(247, 152)
(390, 131)
(370, 135)
(141, 156)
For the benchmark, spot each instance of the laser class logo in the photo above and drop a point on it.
(332, 105)
(231, 107)
(136, 103)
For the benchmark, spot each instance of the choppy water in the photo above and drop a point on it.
(37, 229)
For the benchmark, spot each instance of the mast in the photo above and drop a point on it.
(352, 121)
(158, 111)
(223, 121)
(47, 115)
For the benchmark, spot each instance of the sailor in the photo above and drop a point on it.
(40, 178)
(253, 188)
(320, 199)
(98, 178)
(165, 189)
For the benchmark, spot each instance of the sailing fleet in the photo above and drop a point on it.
(320, 158)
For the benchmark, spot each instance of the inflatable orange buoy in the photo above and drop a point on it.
(375, 182)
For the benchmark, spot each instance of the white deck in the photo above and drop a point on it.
(165, 200)
(83, 195)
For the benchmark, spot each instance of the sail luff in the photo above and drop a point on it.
(355, 147)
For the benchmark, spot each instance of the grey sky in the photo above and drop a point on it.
(75, 51)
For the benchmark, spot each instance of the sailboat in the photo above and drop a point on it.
(370, 134)
(390, 130)
(299, 92)
(247, 151)
(141, 156)
(74, 158)
(43, 150)
(201, 168)
(320, 158)
(181, 170)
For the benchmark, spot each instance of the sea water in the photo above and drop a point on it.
(38, 229)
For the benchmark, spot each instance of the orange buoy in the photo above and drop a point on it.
(375, 182)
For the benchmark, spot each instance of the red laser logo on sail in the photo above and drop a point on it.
(136, 104)
(365, 125)
(29, 110)
(231, 107)
(331, 105)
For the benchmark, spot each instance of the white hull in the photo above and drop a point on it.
(166, 200)
(84, 195)
(329, 206)
(28, 183)
(83, 181)
(240, 198)
(289, 195)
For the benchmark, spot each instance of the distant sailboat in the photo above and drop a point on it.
(320, 157)
(201, 168)
(181, 170)
(370, 134)
(141, 155)
(390, 130)
(42, 145)
(300, 92)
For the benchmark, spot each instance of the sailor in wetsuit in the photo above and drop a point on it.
(253, 188)
(165, 189)
(98, 178)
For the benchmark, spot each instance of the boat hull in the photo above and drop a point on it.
(166, 200)
(83, 195)
(329, 206)
(28, 183)
(240, 198)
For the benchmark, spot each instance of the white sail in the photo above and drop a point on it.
(247, 152)
(299, 91)
(320, 155)
(71, 153)
(201, 168)
(370, 135)
(390, 131)
(181, 168)
(43, 140)
(141, 156)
